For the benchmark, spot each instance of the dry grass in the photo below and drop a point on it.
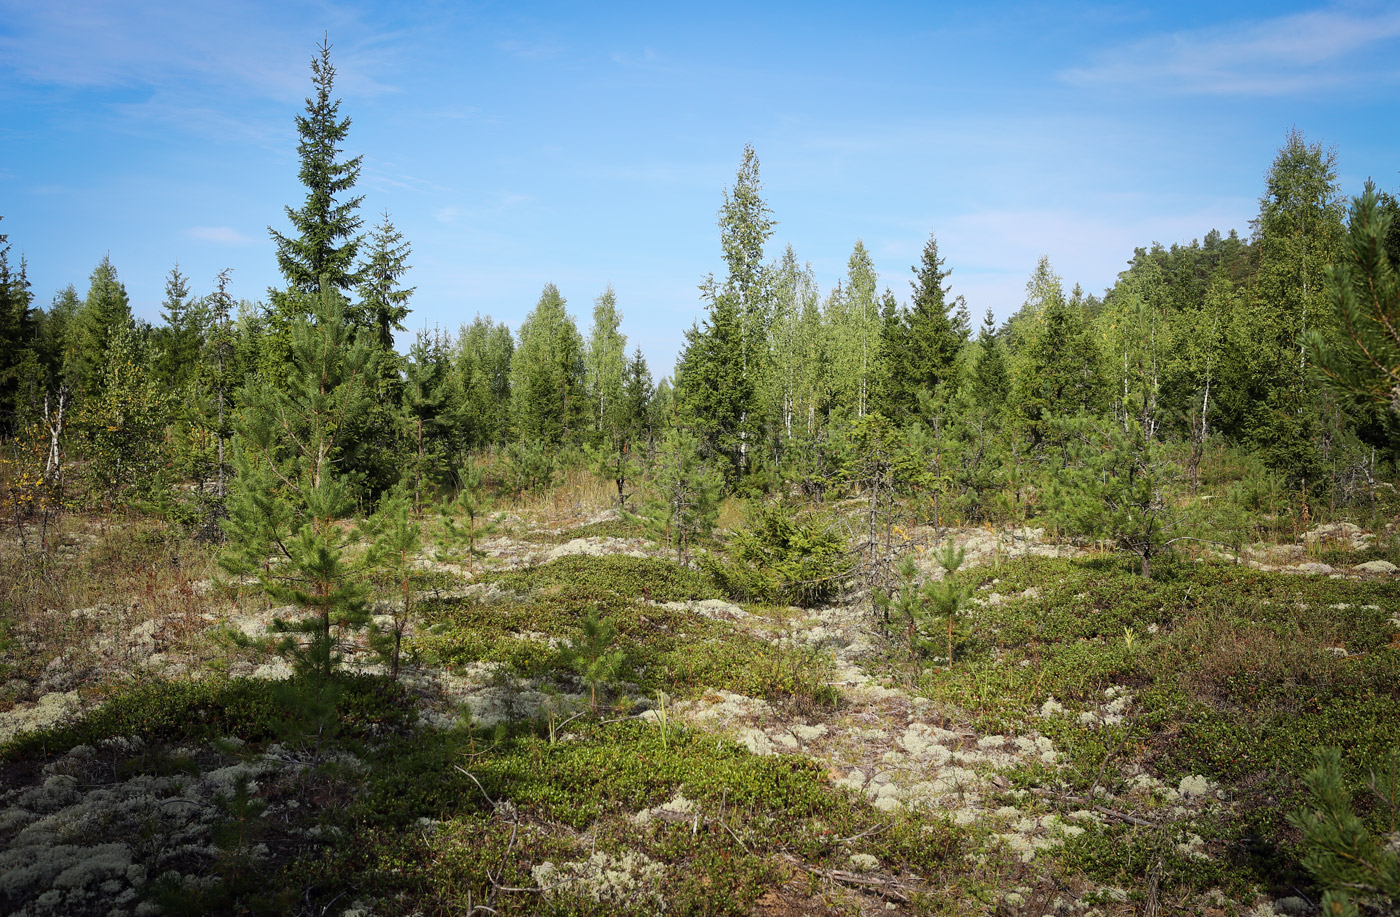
(94, 608)
(1255, 667)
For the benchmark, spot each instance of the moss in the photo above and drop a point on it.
(159, 711)
(613, 575)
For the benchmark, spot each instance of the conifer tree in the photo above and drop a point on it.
(289, 495)
(180, 338)
(395, 575)
(1364, 291)
(684, 494)
(548, 398)
(383, 305)
(990, 382)
(325, 241)
(1056, 373)
(105, 314)
(928, 340)
(17, 332)
(426, 417)
(714, 396)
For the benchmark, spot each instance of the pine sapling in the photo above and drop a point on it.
(397, 537)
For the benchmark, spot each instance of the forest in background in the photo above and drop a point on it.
(1223, 395)
(1210, 344)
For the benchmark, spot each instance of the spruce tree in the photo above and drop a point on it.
(548, 399)
(684, 494)
(105, 314)
(323, 247)
(932, 339)
(180, 338)
(383, 305)
(990, 382)
(714, 396)
(17, 332)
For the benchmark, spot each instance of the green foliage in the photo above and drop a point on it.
(1364, 289)
(548, 396)
(289, 497)
(594, 655)
(921, 343)
(473, 503)
(714, 392)
(1118, 487)
(1354, 864)
(323, 250)
(915, 609)
(1056, 371)
(528, 467)
(383, 303)
(683, 497)
(787, 556)
(252, 710)
(394, 572)
(124, 419)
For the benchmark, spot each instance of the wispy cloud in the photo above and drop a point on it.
(1322, 49)
(529, 50)
(220, 235)
(177, 45)
(648, 59)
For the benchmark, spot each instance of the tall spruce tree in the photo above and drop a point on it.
(180, 338)
(325, 240)
(105, 313)
(714, 396)
(923, 346)
(548, 398)
(990, 381)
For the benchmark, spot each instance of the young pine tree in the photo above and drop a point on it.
(289, 498)
(685, 493)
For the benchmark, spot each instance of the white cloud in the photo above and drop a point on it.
(1322, 49)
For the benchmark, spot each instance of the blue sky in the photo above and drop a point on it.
(584, 144)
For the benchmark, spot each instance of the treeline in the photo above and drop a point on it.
(780, 387)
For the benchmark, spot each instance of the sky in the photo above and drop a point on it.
(520, 144)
